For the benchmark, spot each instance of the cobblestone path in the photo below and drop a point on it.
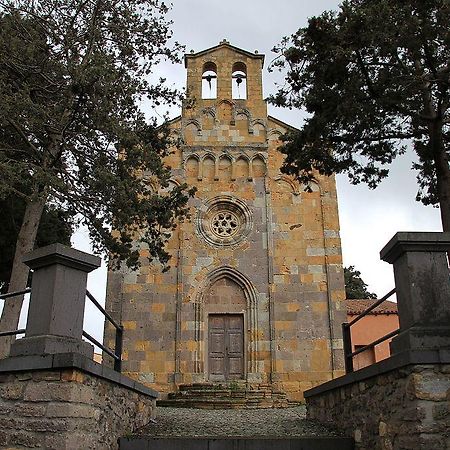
(189, 422)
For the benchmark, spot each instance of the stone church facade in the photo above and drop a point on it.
(255, 293)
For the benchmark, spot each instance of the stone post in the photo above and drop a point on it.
(423, 289)
(58, 295)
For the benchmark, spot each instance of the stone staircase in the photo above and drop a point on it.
(232, 416)
(305, 443)
(234, 395)
(234, 429)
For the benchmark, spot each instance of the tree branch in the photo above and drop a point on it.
(22, 134)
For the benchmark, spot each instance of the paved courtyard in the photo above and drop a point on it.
(189, 422)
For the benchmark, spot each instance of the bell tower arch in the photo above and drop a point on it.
(224, 72)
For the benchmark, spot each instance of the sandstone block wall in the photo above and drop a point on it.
(285, 259)
(406, 408)
(67, 409)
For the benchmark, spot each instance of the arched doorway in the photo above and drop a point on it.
(226, 326)
(226, 305)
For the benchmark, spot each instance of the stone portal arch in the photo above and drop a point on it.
(208, 301)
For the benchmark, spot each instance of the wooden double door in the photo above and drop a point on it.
(226, 347)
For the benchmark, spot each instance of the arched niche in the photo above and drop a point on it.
(208, 119)
(191, 130)
(208, 167)
(243, 121)
(226, 111)
(225, 167)
(171, 185)
(259, 167)
(192, 167)
(225, 295)
(273, 134)
(239, 81)
(209, 81)
(284, 183)
(259, 130)
(241, 167)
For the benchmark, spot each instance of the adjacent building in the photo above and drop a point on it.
(378, 323)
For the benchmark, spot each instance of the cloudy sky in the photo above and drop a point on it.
(368, 218)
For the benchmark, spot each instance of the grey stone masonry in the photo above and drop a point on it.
(406, 408)
(68, 409)
(423, 289)
(56, 312)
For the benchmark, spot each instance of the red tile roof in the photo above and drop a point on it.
(355, 307)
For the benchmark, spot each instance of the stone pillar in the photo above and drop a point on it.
(58, 295)
(423, 289)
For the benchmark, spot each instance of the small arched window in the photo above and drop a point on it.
(209, 81)
(239, 81)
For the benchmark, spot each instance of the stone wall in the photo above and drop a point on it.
(68, 409)
(405, 408)
(283, 255)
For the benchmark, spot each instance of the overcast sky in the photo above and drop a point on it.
(368, 218)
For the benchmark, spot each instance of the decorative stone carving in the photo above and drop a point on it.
(224, 221)
(225, 224)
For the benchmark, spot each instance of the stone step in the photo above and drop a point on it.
(233, 395)
(302, 443)
(225, 393)
(222, 403)
(219, 385)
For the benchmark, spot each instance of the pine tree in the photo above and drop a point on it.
(374, 76)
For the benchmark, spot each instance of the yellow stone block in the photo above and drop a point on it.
(129, 325)
(284, 325)
(293, 307)
(132, 288)
(320, 307)
(72, 375)
(140, 346)
(158, 307)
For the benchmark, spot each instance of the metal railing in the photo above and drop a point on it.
(117, 353)
(4, 297)
(347, 337)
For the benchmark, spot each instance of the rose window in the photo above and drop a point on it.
(224, 221)
(225, 224)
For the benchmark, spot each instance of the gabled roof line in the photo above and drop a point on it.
(171, 121)
(224, 43)
(283, 124)
(274, 119)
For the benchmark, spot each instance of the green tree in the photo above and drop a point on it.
(354, 285)
(55, 226)
(73, 77)
(373, 76)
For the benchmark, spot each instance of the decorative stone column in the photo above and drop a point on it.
(423, 289)
(58, 296)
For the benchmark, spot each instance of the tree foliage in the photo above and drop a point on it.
(373, 76)
(355, 288)
(73, 77)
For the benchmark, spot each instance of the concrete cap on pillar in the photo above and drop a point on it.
(414, 241)
(60, 254)
(57, 302)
